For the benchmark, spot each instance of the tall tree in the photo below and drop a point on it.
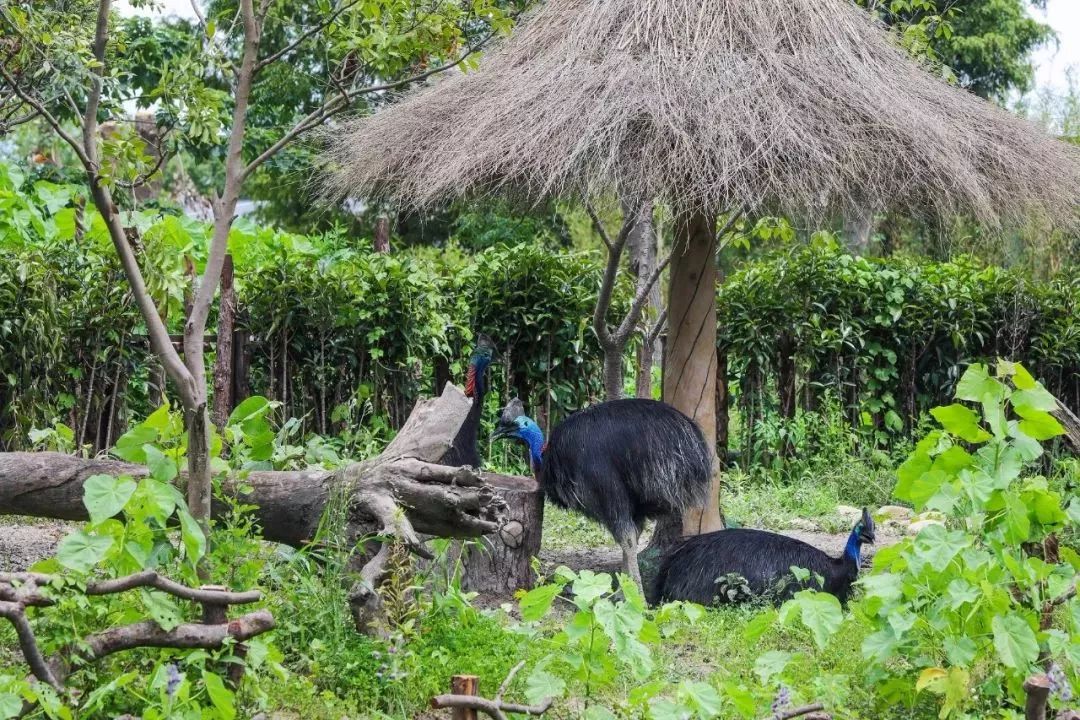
(988, 44)
(72, 65)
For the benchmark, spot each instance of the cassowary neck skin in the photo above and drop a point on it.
(853, 551)
(531, 434)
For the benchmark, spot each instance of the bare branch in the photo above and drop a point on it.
(598, 226)
(641, 299)
(658, 328)
(339, 104)
(28, 644)
(97, 74)
(796, 712)
(491, 708)
(224, 208)
(509, 679)
(49, 118)
(149, 634)
(149, 578)
(330, 20)
(611, 273)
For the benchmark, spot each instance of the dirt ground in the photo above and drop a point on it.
(24, 541)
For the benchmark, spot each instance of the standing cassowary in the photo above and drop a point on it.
(464, 449)
(619, 463)
(738, 564)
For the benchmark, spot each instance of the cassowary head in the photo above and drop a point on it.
(514, 423)
(865, 528)
(483, 354)
(862, 534)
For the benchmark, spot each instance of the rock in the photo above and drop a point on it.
(925, 520)
(849, 514)
(894, 515)
(804, 525)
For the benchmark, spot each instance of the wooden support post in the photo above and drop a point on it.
(1037, 688)
(464, 685)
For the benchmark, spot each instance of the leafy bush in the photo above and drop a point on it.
(974, 605)
(887, 337)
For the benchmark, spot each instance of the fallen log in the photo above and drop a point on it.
(403, 494)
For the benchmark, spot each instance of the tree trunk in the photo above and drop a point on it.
(381, 242)
(1071, 423)
(613, 372)
(723, 403)
(402, 493)
(858, 226)
(690, 375)
(501, 563)
(224, 364)
(643, 254)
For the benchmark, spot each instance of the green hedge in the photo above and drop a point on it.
(889, 337)
(341, 337)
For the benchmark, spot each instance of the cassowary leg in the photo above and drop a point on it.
(630, 563)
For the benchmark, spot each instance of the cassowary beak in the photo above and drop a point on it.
(503, 431)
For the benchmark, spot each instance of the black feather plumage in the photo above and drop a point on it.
(700, 568)
(465, 449)
(623, 462)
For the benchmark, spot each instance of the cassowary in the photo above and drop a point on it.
(738, 564)
(464, 450)
(619, 463)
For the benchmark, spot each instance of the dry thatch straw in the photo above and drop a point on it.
(795, 106)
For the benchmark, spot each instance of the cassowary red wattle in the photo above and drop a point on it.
(465, 448)
(738, 565)
(619, 463)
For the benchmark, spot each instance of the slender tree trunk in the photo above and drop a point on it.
(223, 364)
(690, 375)
(858, 226)
(723, 402)
(644, 253)
(381, 241)
(613, 372)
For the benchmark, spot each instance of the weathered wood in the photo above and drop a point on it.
(501, 563)
(690, 373)
(1071, 423)
(1037, 688)
(469, 686)
(403, 494)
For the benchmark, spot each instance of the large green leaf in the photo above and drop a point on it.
(536, 603)
(162, 467)
(962, 422)
(1015, 642)
(1039, 424)
(590, 586)
(819, 612)
(10, 706)
(222, 697)
(193, 537)
(541, 685)
(105, 496)
(935, 546)
(80, 551)
(162, 609)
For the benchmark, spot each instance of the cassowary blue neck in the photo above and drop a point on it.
(853, 551)
(534, 438)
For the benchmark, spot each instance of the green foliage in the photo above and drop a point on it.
(965, 609)
(343, 341)
(887, 338)
(988, 44)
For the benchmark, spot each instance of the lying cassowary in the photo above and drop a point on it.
(737, 564)
(619, 463)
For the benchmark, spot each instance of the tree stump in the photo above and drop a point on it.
(501, 563)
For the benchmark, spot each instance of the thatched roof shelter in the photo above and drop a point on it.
(801, 107)
(795, 106)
